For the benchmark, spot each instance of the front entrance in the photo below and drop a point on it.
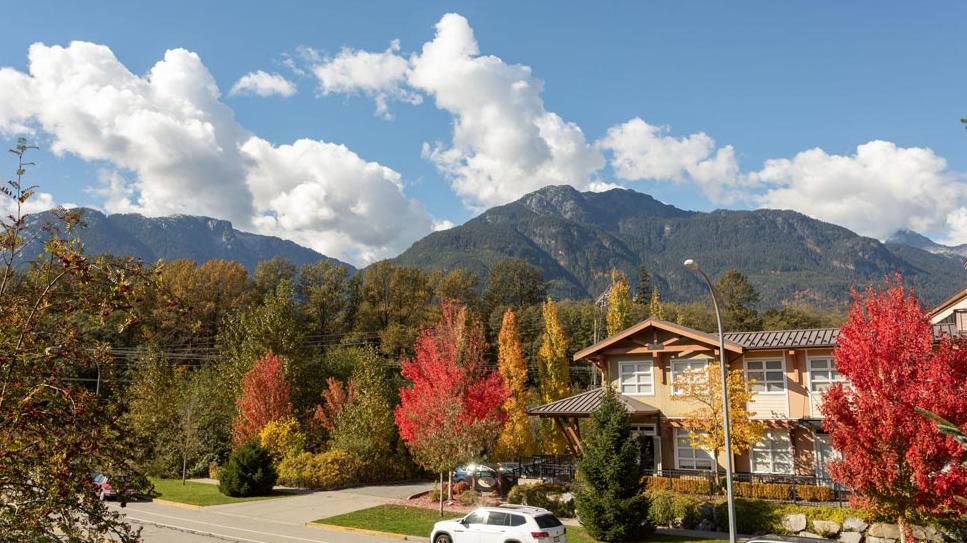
(650, 445)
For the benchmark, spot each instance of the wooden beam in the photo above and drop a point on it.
(574, 437)
(645, 350)
(567, 438)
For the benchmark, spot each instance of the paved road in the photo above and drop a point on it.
(279, 520)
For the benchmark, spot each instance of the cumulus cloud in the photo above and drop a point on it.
(378, 75)
(172, 146)
(642, 151)
(876, 191)
(259, 83)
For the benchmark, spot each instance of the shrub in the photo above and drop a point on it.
(553, 497)
(765, 491)
(669, 508)
(751, 516)
(249, 472)
(468, 497)
(460, 486)
(282, 438)
(814, 493)
(685, 485)
(325, 471)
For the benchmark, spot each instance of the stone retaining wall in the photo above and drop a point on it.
(855, 530)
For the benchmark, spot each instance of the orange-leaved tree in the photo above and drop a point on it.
(517, 438)
(264, 398)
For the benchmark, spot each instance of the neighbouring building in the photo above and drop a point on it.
(791, 370)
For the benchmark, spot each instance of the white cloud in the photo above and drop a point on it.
(876, 191)
(378, 75)
(171, 146)
(445, 224)
(642, 151)
(261, 83)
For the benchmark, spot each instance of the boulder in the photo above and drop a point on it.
(926, 533)
(794, 523)
(826, 528)
(873, 539)
(851, 537)
(853, 524)
(883, 531)
(810, 535)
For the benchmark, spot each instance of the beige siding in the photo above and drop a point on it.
(770, 405)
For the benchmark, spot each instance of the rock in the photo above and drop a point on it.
(811, 535)
(853, 524)
(926, 533)
(851, 537)
(794, 523)
(874, 539)
(826, 528)
(883, 531)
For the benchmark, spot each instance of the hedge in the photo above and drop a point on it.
(546, 495)
(769, 491)
(335, 468)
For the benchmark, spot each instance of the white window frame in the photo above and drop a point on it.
(830, 366)
(678, 366)
(644, 379)
(694, 455)
(771, 446)
(764, 371)
(819, 442)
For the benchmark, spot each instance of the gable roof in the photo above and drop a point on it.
(946, 304)
(684, 331)
(784, 339)
(585, 403)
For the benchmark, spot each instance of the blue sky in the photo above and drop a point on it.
(769, 79)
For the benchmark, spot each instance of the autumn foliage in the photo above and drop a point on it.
(517, 438)
(893, 458)
(451, 410)
(334, 399)
(264, 398)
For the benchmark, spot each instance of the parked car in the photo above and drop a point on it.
(520, 523)
(103, 488)
(487, 475)
(121, 486)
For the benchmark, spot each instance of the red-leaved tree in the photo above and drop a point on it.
(451, 411)
(894, 459)
(334, 399)
(264, 398)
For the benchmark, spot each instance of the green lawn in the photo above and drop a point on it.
(199, 493)
(417, 521)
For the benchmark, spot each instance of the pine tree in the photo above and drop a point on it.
(554, 372)
(619, 305)
(517, 438)
(738, 302)
(609, 499)
(655, 309)
(643, 290)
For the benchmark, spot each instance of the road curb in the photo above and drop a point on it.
(177, 504)
(401, 537)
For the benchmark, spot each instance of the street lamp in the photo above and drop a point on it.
(729, 497)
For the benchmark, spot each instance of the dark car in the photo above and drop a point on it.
(487, 476)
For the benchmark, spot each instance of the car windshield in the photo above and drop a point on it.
(547, 521)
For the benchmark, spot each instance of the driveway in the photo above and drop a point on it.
(280, 520)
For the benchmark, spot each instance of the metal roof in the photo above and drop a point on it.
(785, 339)
(585, 403)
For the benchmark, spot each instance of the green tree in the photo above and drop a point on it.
(793, 316)
(328, 300)
(189, 413)
(738, 302)
(608, 497)
(459, 285)
(554, 372)
(513, 282)
(269, 274)
(643, 289)
(619, 305)
(517, 438)
(365, 426)
(695, 315)
(393, 304)
(55, 430)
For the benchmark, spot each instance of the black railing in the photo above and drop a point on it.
(554, 468)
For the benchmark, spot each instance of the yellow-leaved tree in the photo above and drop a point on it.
(554, 372)
(655, 308)
(704, 424)
(517, 438)
(619, 303)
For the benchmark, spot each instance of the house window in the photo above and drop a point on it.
(822, 374)
(688, 458)
(636, 377)
(825, 453)
(767, 374)
(679, 367)
(773, 453)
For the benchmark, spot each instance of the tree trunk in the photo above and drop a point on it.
(441, 493)
(450, 486)
(184, 467)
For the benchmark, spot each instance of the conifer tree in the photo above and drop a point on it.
(619, 305)
(655, 310)
(517, 438)
(609, 499)
(643, 290)
(554, 372)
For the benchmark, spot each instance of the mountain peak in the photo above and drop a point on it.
(919, 241)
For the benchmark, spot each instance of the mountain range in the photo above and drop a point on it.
(578, 237)
(178, 236)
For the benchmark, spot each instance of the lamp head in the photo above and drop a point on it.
(691, 264)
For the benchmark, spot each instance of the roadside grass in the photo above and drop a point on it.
(203, 494)
(417, 521)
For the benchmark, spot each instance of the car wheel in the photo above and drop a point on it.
(443, 538)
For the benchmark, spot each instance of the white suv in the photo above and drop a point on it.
(504, 524)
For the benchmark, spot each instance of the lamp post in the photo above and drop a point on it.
(729, 497)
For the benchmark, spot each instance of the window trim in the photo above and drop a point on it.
(809, 373)
(678, 463)
(671, 370)
(772, 451)
(764, 370)
(650, 362)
